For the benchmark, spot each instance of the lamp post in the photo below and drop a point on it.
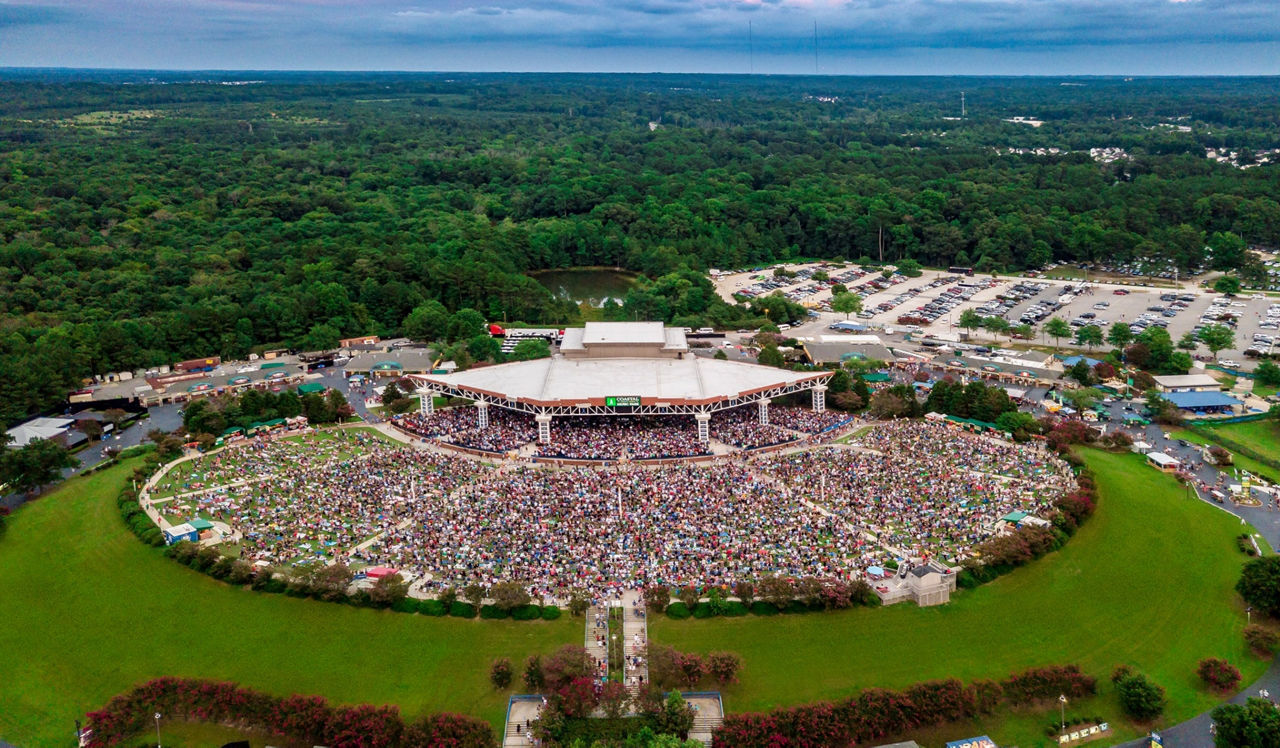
(1248, 611)
(158, 745)
(1062, 710)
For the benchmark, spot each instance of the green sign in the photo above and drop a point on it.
(622, 401)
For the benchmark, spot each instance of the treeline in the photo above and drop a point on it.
(213, 220)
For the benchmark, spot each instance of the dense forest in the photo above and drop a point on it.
(149, 217)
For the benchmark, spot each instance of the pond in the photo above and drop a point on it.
(594, 286)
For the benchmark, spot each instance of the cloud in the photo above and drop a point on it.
(310, 29)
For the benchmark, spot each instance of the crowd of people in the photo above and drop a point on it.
(508, 430)
(908, 489)
(634, 438)
(924, 489)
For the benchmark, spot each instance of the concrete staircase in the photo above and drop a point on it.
(635, 633)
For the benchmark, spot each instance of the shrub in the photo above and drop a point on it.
(1259, 584)
(534, 678)
(703, 610)
(493, 612)
(734, 609)
(692, 668)
(526, 613)
(762, 608)
(569, 662)
(462, 610)
(1218, 674)
(657, 597)
(679, 611)
(1038, 684)
(550, 612)
(298, 719)
(1120, 673)
(795, 606)
(432, 608)
(500, 673)
(1140, 698)
(1261, 639)
(724, 667)
(407, 605)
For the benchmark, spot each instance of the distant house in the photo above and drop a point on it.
(57, 430)
(930, 585)
(361, 341)
(1188, 383)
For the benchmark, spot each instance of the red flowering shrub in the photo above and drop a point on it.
(1220, 675)
(308, 719)
(1039, 684)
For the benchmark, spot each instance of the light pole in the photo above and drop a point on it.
(158, 745)
(1062, 710)
(1248, 611)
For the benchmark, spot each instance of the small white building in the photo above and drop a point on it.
(1188, 383)
(1164, 462)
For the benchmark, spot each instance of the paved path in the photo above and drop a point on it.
(596, 638)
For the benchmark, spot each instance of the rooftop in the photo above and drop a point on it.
(589, 381)
(1187, 380)
(1201, 399)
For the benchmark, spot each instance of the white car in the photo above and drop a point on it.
(1229, 363)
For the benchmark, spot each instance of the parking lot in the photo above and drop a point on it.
(935, 300)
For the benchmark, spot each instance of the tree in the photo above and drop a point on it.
(529, 349)
(995, 325)
(474, 594)
(1217, 338)
(566, 664)
(1188, 342)
(500, 673)
(1228, 285)
(389, 590)
(847, 304)
(724, 667)
(909, 268)
(675, 716)
(1089, 335)
(1259, 584)
(771, 356)
(614, 699)
(1057, 328)
(1267, 374)
(969, 320)
(428, 321)
(1017, 423)
(509, 595)
(1140, 698)
(1256, 724)
(1024, 331)
(466, 324)
(1119, 335)
(321, 337)
(38, 463)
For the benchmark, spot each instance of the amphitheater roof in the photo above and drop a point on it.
(689, 382)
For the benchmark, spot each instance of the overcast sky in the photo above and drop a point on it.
(940, 37)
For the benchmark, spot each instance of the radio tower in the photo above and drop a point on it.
(751, 50)
(815, 47)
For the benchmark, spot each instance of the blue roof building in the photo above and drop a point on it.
(1203, 402)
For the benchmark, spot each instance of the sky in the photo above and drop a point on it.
(853, 37)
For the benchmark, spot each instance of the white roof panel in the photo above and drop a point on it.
(560, 380)
(623, 332)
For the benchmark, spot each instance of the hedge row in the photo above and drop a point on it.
(784, 595)
(137, 520)
(300, 719)
(877, 714)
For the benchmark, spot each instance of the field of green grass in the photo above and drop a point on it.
(1148, 582)
(1239, 460)
(1261, 436)
(89, 611)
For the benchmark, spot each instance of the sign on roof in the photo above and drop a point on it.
(622, 401)
(978, 742)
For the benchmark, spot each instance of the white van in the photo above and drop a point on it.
(784, 328)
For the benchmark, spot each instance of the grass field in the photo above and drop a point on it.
(89, 611)
(1239, 460)
(1261, 436)
(1147, 582)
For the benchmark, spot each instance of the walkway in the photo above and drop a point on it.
(635, 641)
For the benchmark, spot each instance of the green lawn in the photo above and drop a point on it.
(1148, 582)
(1237, 459)
(1261, 436)
(89, 611)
